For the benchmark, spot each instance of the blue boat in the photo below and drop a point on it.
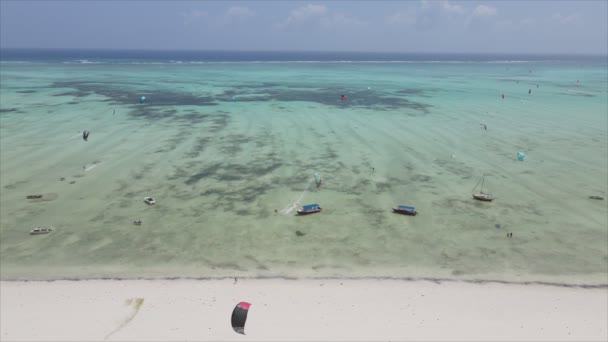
(405, 210)
(309, 209)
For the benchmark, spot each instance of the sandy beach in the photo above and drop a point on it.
(299, 310)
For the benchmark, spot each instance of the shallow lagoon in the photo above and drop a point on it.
(227, 175)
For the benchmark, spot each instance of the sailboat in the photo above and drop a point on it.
(482, 196)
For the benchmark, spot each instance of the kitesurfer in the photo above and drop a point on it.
(85, 135)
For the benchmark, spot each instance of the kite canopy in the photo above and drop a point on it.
(239, 316)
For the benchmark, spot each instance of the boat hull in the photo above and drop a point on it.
(308, 212)
(483, 197)
(405, 212)
(38, 231)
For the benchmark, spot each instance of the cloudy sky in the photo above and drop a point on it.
(400, 26)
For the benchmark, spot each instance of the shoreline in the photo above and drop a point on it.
(299, 309)
(437, 280)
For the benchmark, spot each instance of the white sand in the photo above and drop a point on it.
(311, 310)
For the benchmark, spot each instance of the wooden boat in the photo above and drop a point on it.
(309, 209)
(405, 210)
(149, 200)
(40, 230)
(482, 196)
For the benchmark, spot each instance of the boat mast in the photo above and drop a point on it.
(482, 179)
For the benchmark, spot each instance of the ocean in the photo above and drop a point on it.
(228, 143)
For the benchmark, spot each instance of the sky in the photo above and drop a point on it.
(577, 27)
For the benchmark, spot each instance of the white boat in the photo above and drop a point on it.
(149, 200)
(40, 230)
(482, 196)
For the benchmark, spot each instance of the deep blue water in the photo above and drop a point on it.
(68, 55)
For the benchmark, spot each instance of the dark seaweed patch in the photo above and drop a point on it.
(152, 113)
(192, 117)
(204, 173)
(330, 97)
(120, 94)
(383, 186)
(228, 177)
(421, 178)
(421, 92)
(123, 94)
(198, 147)
(219, 122)
(232, 143)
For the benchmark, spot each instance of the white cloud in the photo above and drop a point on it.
(514, 25)
(318, 15)
(527, 22)
(572, 18)
(340, 21)
(239, 12)
(197, 13)
(305, 13)
(446, 7)
(484, 11)
(426, 15)
(401, 18)
(193, 15)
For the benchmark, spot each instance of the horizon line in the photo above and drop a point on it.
(605, 54)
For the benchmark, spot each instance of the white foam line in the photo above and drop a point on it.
(291, 207)
(90, 167)
(578, 92)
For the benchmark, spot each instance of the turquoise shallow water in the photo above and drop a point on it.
(409, 133)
